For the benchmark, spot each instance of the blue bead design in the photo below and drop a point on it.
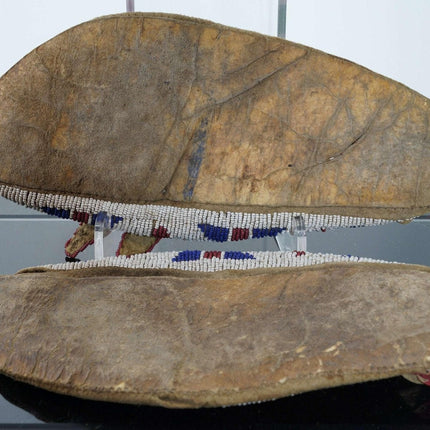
(115, 220)
(237, 255)
(187, 256)
(211, 232)
(60, 213)
(263, 232)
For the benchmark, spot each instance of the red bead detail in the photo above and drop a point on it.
(84, 246)
(424, 378)
(160, 232)
(212, 254)
(121, 243)
(240, 234)
(81, 217)
(153, 245)
(323, 229)
(299, 253)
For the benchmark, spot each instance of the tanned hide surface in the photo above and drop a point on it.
(201, 115)
(180, 339)
(146, 108)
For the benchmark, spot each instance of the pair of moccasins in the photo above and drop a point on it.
(178, 127)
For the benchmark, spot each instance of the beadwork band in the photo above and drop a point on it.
(174, 222)
(212, 261)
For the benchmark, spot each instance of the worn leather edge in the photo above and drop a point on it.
(185, 399)
(225, 274)
(172, 400)
(388, 213)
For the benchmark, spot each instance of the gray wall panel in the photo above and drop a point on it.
(31, 242)
(8, 208)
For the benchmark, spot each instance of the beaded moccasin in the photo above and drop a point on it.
(177, 127)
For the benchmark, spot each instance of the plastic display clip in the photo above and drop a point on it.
(130, 5)
(101, 226)
(295, 239)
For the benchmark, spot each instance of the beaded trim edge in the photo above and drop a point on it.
(213, 261)
(183, 223)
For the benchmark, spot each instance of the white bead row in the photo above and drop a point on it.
(260, 259)
(180, 222)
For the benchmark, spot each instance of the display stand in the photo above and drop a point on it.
(291, 241)
(130, 5)
(295, 239)
(101, 229)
